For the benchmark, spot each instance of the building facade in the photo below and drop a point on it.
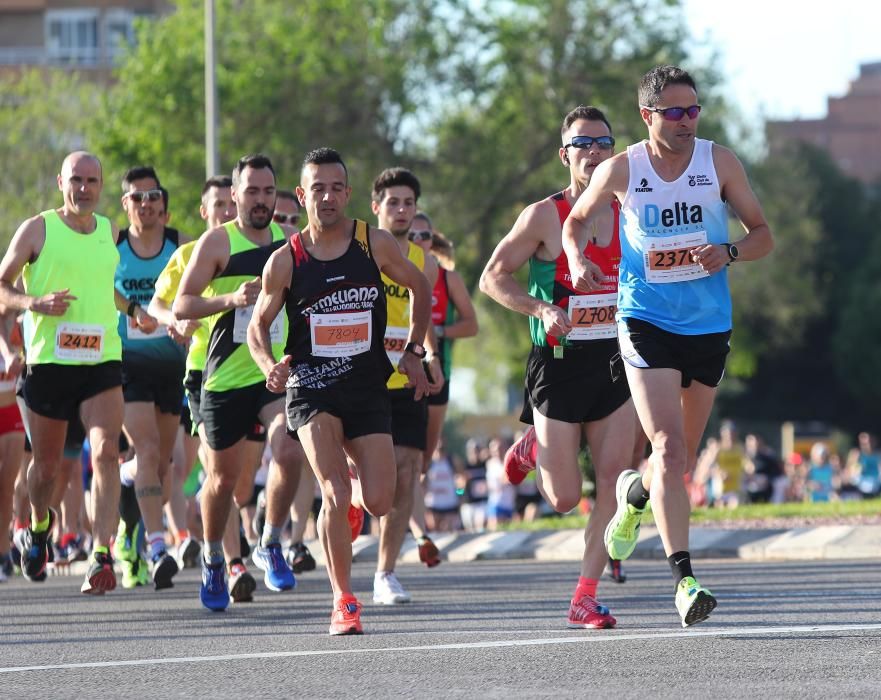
(850, 132)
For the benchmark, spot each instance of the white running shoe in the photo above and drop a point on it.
(387, 590)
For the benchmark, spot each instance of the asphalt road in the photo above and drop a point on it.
(481, 629)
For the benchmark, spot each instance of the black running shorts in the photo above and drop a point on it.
(441, 398)
(56, 391)
(229, 416)
(363, 410)
(699, 358)
(409, 419)
(159, 383)
(586, 384)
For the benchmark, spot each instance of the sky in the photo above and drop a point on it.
(784, 57)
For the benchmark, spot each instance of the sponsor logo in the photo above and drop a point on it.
(143, 284)
(699, 181)
(352, 299)
(643, 186)
(679, 215)
(335, 279)
(393, 290)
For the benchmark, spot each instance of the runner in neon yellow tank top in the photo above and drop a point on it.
(395, 193)
(67, 258)
(226, 267)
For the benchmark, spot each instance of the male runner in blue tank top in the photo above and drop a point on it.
(674, 307)
(574, 383)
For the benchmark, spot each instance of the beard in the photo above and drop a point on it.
(257, 217)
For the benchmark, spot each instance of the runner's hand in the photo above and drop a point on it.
(246, 294)
(711, 258)
(416, 379)
(144, 321)
(185, 327)
(555, 321)
(54, 304)
(436, 375)
(277, 378)
(586, 275)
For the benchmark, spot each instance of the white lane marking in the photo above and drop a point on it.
(594, 638)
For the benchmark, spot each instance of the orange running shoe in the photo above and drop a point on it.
(521, 457)
(428, 552)
(586, 612)
(346, 617)
(356, 520)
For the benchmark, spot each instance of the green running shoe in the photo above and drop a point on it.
(693, 601)
(125, 546)
(135, 573)
(622, 532)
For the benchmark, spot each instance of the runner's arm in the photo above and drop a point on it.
(513, 251)
(591, 208)
(758, 241)
(24, 247)
(276, 279)
(465, 325)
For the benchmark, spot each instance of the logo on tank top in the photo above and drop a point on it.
(679, 215)
(643, 186)
(699, 181)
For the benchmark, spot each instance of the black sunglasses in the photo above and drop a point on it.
(603, 142)
(674, 114)
(418, 236)
(285, 218)
(141, 195)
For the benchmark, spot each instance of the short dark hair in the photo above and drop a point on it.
(164, 197)
(219, 181)
(658, 78)
(591, 114)
(395, 177)
(139, 172)
(323, 156)
(257, 161)
(287, 194)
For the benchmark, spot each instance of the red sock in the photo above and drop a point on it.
(586, 586)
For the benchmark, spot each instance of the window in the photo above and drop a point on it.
(119, 32)
(72, 37)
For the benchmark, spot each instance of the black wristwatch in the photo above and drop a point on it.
(416, 349)
(733, 253)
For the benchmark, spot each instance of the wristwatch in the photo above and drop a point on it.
(732, 251)
(416, 349)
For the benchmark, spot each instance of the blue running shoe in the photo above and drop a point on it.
(213, 592)
(270, 559)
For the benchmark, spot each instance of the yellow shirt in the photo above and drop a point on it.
(167, 285)
(397, 300)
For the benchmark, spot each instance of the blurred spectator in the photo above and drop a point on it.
(822, 479)
(796, 471)
(705, 487)
(501, 493)
(866, 467)
(529, 500)
(473, 483)
(730, 461)
(441, 499)
(763, 477)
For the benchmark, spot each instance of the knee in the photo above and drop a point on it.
(378, 504)
(224, 480)
(105, 451)
(563, 503)
(337, 494)
(669, 455)
(605, 484)
(45, 470)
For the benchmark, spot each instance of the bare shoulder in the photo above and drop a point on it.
(725, 159)
(538, 221)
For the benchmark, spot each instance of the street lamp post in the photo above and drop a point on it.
(211, 152)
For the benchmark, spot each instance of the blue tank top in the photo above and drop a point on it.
(136, 280)
(658, 282)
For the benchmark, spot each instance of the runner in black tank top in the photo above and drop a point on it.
(335, 367)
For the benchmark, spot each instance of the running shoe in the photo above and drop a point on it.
(76, 551)
(213, 592)
(100, 578)
(586, 613)
(164, 569)
(346, 617)
(135, 573)
(270, 559)
(125, 546)
(7, 567)
(387, 590)
(35, 549)
(356, 520)
(188, 553)
(428, 552)
(299, 558)
(241, 584)
(521, 457)
(622, 532)
(615, 572)
(693, 601)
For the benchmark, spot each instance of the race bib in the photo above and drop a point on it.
(667, 258)
(243, 318)
(395, 341)
(341, 335)
(135, 333)
(593, 316)
(79, 341)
